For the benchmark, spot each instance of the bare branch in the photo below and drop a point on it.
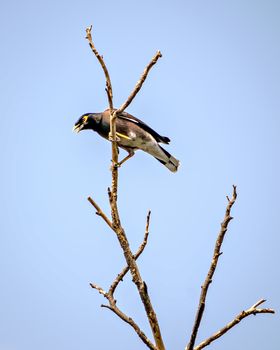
(114, 114)
(125, 270)
(131, 322)
(251, 311)
(116, 223)
(141, 286)
(109, 89)
(99, 289)
(258, 303)
(214, 262)
(113, 307)
(100, 212)
(139, 83)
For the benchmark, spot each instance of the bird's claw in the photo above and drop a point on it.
(115, 166)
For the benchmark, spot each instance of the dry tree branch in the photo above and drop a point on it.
(130, 260)
(251, 311)
(109, 89)
(100, 212)
(214, 262)
(110, 294)
(115, 225)
(139, 83)
(113, 307)
(113, 194)
(121, 275)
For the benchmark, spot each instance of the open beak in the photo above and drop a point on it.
(77, 127)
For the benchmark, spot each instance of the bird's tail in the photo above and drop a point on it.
(170, 162)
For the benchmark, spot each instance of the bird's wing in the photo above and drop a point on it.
(131, 118)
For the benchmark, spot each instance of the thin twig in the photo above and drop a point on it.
(113, 307)
(136, 256)
(109, 89)
(100, 212)
(214, 262)
(251, 311)
(140, 82)
(99, 289)
(113, 115)
(131, 322)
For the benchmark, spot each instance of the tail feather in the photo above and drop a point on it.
(171, 162)
(165, 139)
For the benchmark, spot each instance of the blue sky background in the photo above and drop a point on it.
(215, 93)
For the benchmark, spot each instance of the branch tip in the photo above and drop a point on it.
(99, 212)
(261, 301)
(243, 314)
(88, 32)
(139, 84)
(212, 269)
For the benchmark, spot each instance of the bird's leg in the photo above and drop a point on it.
(130, 154)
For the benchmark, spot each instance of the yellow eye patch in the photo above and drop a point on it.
(85, 118)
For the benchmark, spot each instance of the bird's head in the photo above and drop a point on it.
(88, 121)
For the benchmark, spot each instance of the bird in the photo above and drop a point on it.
(132, 134)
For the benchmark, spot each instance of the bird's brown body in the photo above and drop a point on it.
(132, 135)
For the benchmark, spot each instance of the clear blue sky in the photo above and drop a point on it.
(215, 93)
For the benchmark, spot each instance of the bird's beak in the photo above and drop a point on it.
(77, 127)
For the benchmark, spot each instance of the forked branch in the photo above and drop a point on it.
(110, 294)
(253, 310)
(141, 248)
(214, 262)
(113, 307)
(115, 223)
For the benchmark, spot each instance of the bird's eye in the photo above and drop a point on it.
(85, 118)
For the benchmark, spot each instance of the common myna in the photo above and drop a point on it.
(132, 134)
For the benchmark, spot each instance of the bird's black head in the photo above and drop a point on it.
(88, 121)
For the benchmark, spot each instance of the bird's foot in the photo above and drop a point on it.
(115, 166)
